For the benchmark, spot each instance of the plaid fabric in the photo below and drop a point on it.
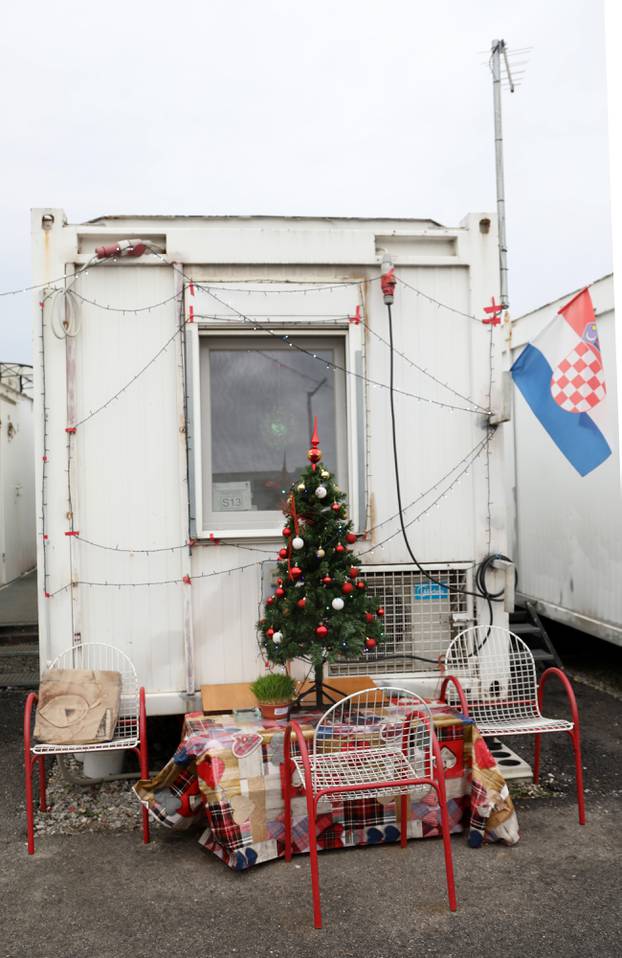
(239, 798)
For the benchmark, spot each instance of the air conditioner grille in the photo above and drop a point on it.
(418, 620)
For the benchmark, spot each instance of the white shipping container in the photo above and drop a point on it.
(17, 472)
(190, 432)
(567, 535)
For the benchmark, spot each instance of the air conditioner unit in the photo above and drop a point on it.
(421, 617)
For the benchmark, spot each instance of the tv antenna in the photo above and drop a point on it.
(509, 76)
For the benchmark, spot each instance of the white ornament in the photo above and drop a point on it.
(298, 584)
(338, 604)
(277, 637)
(321, 492)
(320, 553)
(298, 543)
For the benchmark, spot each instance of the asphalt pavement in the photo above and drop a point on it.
(557, 893)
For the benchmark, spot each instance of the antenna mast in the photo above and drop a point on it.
(498, 50)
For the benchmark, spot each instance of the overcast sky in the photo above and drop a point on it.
(341, 107)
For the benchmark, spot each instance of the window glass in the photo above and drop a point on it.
(261, 401)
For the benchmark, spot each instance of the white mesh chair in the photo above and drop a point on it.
(378, 743)
(130, 731)
(493, 673)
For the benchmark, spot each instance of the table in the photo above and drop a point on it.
(228, 777)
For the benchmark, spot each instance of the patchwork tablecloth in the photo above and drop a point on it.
(228, 777)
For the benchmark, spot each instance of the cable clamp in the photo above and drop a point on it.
(187, 580)
(72, 532)
(70, 429)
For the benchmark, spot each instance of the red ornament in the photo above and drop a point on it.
(360, 585)
(353, 572)
(351, 537)
(339, 547)
(336, 506)
(370, 643)
(282, 553)
(314, 455)
(347, 588)
(279, 582)
(270, 600)
(380, 612)
(369, 617)
(327, 580)
(279, 593)
(301, 603)
(321, 631)
(286, 531)
(270, 633)
(296, 572)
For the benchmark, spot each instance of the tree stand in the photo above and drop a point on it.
(321, 690)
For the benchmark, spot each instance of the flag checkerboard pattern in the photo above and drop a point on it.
(578, 383)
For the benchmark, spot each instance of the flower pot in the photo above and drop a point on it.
(275, 710)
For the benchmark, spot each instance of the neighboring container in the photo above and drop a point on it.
(17, 472)
(567, 535)
(207, 428)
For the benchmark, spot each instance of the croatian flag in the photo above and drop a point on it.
(562, 379)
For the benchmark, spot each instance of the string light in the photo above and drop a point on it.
(343, 369)
(137, 585)
(250, 565)
(437, 302)
(206, 543)
(244, 318)
(436, 502)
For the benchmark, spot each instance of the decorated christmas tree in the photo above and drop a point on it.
(320, 610)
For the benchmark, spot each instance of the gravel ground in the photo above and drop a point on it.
(103, 894)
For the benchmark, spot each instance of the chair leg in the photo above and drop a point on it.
(576, 742)
(536, 758)
(144, 773)
(405, 801)
(287, 809)
(315, 873)
(30, 815)
(42, 791)
(449, 864)
(143, 755)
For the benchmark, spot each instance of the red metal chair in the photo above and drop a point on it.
(493, 675)
(130, 731)
(375, 743)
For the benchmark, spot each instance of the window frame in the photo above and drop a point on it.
(352, 416)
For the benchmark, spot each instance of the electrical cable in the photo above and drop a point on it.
(482, 589)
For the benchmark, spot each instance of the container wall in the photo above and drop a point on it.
(126, 460)
(17, 496)
(568, 527)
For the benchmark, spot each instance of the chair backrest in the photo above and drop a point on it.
(379, 719)
(497, 672)
(97, 656)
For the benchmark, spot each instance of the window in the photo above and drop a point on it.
(258, 397)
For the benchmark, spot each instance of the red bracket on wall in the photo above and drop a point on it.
(47, 595)
(187, 580)
(213, 539)
(72, 532)
(70, 429)
(191, 288)
(494, 312)
(191, 313)
(356, 319)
